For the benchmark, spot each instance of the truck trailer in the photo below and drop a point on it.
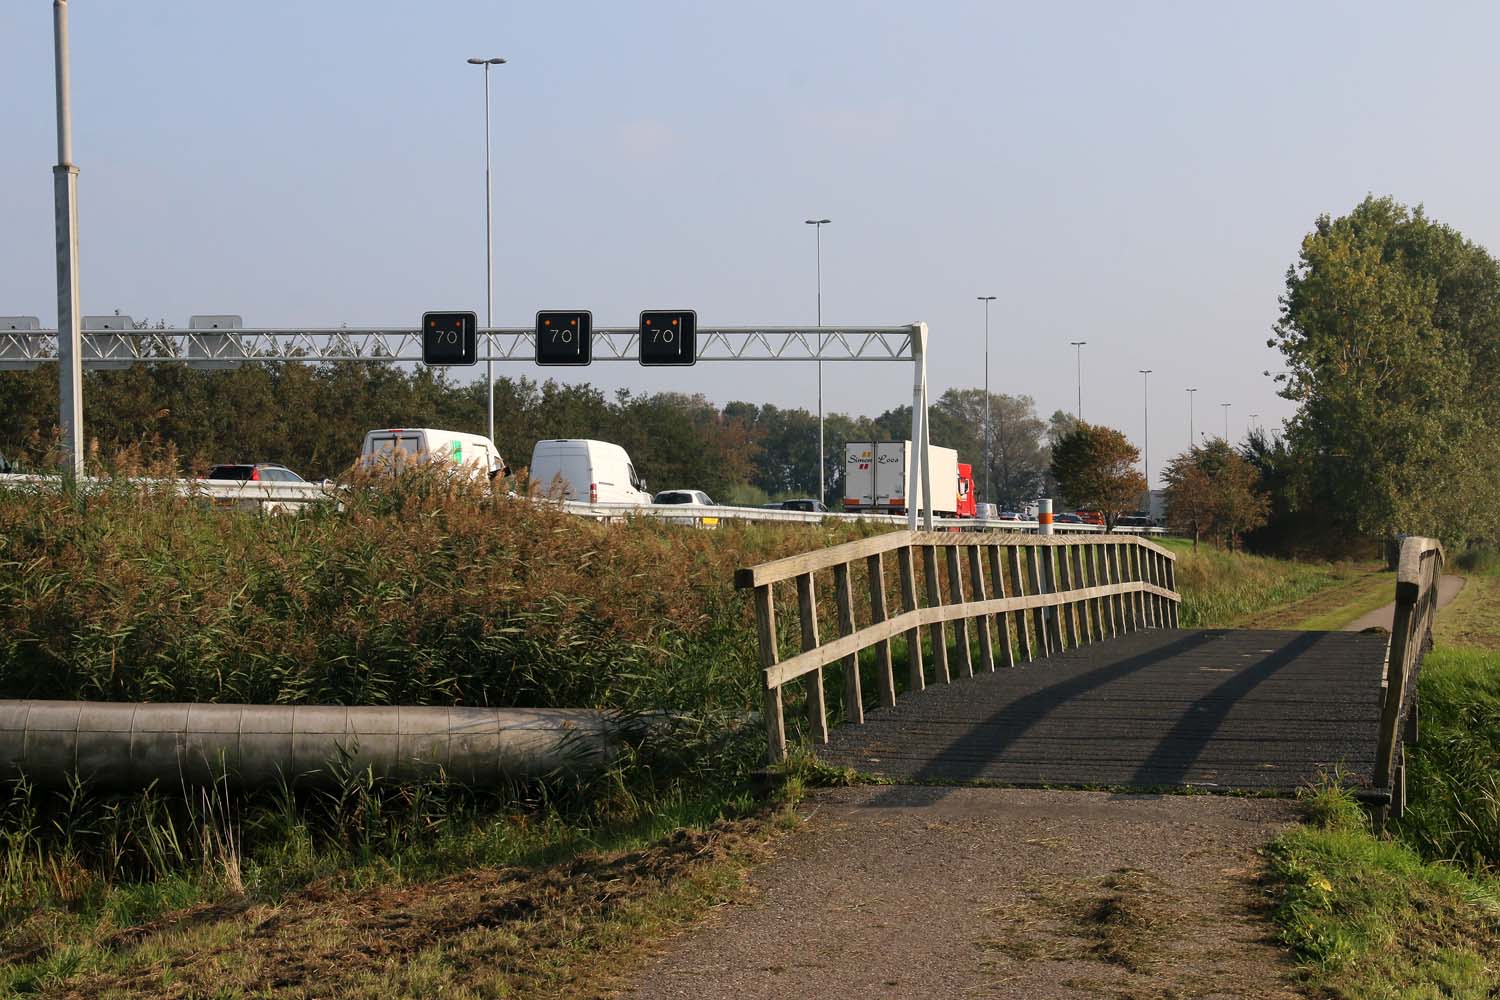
(877, 480)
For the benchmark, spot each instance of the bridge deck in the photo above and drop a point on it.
(1227, 709)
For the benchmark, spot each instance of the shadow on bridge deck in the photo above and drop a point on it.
(1216, 709)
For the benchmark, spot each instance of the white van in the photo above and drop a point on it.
(580, 469)
(393, 448)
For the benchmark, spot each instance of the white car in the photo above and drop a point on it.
(684, 496)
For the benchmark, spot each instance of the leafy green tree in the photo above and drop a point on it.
(1390, 325)
(1094, 468)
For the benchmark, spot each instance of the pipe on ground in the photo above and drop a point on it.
(125, 746)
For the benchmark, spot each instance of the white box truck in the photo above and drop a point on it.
(876, 477)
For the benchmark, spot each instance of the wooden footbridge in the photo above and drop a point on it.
(1060, 661)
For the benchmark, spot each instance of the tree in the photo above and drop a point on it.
(1213, 490)
(1095, 470)
(1390, 325)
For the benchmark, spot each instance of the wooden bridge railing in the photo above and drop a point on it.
(1417, 575)
(1024, 595)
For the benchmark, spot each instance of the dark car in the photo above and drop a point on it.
(1010, 515)
(810, 506)
(1068, 519)
(1135, 521)
(257, 472)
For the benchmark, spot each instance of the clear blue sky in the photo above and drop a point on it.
(1135, 175)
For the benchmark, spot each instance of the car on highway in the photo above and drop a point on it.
(1135, 521)
(254, 472)
(1010, 515)
(808, 505)
(1091, 517)
(1066, 518)
(684, 496)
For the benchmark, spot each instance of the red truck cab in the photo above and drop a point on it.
(966, 505)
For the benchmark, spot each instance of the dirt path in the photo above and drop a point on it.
(1448, 588)
(912, 891)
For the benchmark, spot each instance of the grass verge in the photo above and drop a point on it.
(1473, 619)
(1223, 589)
(1370, 919)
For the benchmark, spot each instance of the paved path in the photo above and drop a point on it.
(1216, 708)
(1448, 588)
(938, 893)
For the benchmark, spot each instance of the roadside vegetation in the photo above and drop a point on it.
(1227, 589)
(1413, 911)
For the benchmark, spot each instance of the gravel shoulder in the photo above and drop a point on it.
(920, 891)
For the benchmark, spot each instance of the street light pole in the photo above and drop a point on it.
(1250, 427)
(1226, 421)
(1146, 415)
(1192, 441)
(818, 225)
(986, 299)
(65, 209)
(489, 270)
(1078, 349)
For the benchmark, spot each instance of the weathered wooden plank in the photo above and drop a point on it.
(1038, 586)
(1002, 621)
(1018, 589)
(917, 679)
(1068, 611)
(885, 676)
(854, 702)
(811, 562)
(982, 622)
(807, 614)
(765, 628)
(960, 624)
(935, 631)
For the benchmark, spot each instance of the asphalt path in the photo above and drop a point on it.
(1448, 588)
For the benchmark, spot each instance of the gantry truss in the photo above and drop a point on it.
(21, 348)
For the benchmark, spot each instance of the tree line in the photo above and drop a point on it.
(312, 418)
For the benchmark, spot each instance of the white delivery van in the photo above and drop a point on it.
(397, 448)
(590, 471)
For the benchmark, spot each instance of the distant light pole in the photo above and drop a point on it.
(1078, 349)
(489, 271)
(1226, 421)
(1250, 427)
(65, 213)
(1146, 415)
(1192, 441)
(818, 225)
(986, 299)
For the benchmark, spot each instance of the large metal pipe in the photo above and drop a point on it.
(123, 746)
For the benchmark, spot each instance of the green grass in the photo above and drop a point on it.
(1453, 774)
(1370, 919)
(1222, 589)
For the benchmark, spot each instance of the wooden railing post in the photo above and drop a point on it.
(1002, 626)
(956, 596)
(1069, 609)
(934, 600)
(1417, 574)
(1018, 589)
(1121, 601)
(854, 701)
(1039, 585)
(1107, 606)
(885, 676)
(765, 627)
(976, 592)
(807, 611)
(907, 564)
(1172, 606)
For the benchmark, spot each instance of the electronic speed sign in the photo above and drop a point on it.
(669, 337)
(450, 338)
(564, 338)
